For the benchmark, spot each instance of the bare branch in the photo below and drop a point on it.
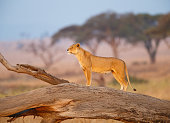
(33, 71)
(46, 52)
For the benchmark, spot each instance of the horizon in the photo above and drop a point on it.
(34, 19)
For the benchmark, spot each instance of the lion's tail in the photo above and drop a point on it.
(128, 78)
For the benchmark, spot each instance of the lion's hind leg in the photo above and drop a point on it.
(121, 80)
(125, 85)
(118, 80)
(124, 82)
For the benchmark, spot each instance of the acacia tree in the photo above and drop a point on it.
(67, 32)
(133, 28)
(89, 37)
(104, 28)
(162, 30)
(81, 34)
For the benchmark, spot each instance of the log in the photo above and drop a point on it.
(66, 101)
(63, 100)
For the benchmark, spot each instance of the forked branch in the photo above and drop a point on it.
(33, 71)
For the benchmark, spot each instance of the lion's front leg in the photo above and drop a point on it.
(87, 73)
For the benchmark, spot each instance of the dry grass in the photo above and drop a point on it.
(158, 89)
(19, 86)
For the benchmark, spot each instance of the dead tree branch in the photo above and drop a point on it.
(33, 71)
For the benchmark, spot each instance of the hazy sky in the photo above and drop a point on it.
(33, 18)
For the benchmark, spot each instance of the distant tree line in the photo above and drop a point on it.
(111, 27)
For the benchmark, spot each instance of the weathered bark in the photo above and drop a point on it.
(66, 101)
(33, 71)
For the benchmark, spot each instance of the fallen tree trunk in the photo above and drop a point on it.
(65, 100)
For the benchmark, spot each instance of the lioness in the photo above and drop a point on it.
(91, 63)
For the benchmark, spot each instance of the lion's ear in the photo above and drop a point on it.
(78, 45)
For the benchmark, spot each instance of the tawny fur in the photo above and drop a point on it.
(91, 63)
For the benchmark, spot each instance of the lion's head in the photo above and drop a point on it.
(74, 49)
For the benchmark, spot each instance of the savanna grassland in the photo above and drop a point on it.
(148, 79)
(151, 81)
